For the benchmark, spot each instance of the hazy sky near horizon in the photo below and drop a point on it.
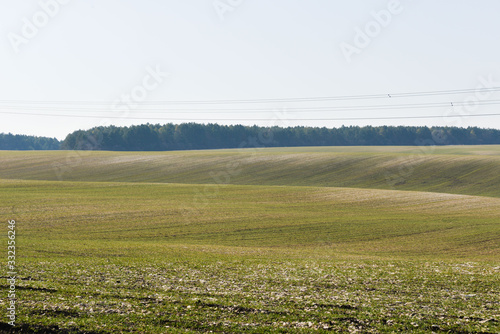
(75, 64)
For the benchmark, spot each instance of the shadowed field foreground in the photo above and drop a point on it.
(276, 247)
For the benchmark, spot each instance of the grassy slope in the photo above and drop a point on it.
(75, 218)
(460, 170)
(307, 212)
(187, 258)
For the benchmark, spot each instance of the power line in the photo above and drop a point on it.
(288, 109)
(90, 106)
(275, 100)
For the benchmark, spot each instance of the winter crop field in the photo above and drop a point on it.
(282, 240)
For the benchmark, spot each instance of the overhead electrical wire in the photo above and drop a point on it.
(274, 100)
(40, 108)
(287, 109)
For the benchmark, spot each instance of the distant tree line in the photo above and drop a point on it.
(188, 136)
(22, 142)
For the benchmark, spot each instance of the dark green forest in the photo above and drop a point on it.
(22, 142)
(190, 136)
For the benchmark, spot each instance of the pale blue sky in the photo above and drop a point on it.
(99, 50)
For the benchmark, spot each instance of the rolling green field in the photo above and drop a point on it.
(460, 170)
(326, 239)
